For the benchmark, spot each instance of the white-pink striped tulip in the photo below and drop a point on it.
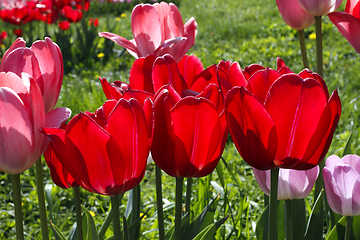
(319, 7)
(342, 184)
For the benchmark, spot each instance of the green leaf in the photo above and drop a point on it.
(126, 229)
(88, 225)
(204, 219)
(338, 232)
(347, 148)
(315, 224)
(210, 230)
(47, 190)
(57, 234)
(184, 220)
(262, 225)
(298, 213)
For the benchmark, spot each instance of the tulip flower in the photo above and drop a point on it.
(319, 7)
(22, 117)
(293, 184)
(189, 132)
(106, 151)
(294, 15)
(342, 184)
(284, 121)
(43, 61)
(157, 29)
(348, 23)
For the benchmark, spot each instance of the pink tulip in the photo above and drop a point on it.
(43, 61)
(293, 184)
(342, 184)
(348, 23)
(157, 29)
(294, 15)
(22, 117)
(319, 7)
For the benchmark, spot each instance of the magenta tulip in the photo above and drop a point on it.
(22, 117)
(348, 23)
(319, 7)
(43, 61)
(342, 184)
(293, 184)
(106, 151)
(282, 121)
(157, 29)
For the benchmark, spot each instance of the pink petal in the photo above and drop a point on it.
(332, 192)
(353, 161)
(294, 15)
(19, 43)
(122, 42)
(16, 136)
(56, 117)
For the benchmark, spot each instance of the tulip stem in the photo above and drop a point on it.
(304, 57)
(288, 220)
(41, 199)
(319, 53)
(15, 182)
(188, 195)
(178, 207)
(116, 216)
(78, 212)
(348, 227)
(135, 212)
(159, 202)
(273, 204)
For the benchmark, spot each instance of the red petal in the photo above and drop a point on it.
(261, 82)
(140, 74)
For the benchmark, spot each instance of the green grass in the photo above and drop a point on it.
(244, 31)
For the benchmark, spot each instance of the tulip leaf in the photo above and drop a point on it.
(126, 229)
(262, 225)
(347, 148)
(338, 232)
(298, 220)
(210, 230)
(57, 234)
(47, 190)
(314, 229)
(88, 226)
(184, 221)
(204, 219)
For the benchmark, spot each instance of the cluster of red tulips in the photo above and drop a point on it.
(177, 112)
(64, 12)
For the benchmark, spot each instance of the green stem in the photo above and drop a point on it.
(178, 207)
(273, 204)
(188, 195)
(41, 199)
(319, 54)
(115, 203)
(15, 182)
(107, 221)
(78, 212)
(348, 227)
(266, 200)
(135, 212)
(288, 220)
(303, 48)
(159, 202)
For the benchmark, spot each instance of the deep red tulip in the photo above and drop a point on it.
(106, 151)
(286, 121)
(43, 60)
(18, 32)
(22, 117)
(64, 25)
(3, 35)
(157, 29)
(189, 133)
(294, 15)
(59, 174)
(319, 7)
(348, 23)
(73, 15)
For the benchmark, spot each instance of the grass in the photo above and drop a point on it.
(244, 31)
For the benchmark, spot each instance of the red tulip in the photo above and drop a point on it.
(319, 7)
(189, 133)
(22, 116)
(106, 151)
(286, 121)
(294, 15)
(64, 25)
(3, 35)
(158, 29)
(43, 61)
(348, 23)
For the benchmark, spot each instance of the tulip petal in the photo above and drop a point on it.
(252, 128)
(353, 8)
(202, 80)
(353, 161)
(111, 91)
(146, 28)
(19, 43)
(230, 75)
(294, 15)
(332, 192)
(189, 67)
(140, 74)
(57, 116)
(50, 62)
(261, 81)
(296, 107)
(122, 42)
(356, 198)
(16, 135)
(348, 26)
